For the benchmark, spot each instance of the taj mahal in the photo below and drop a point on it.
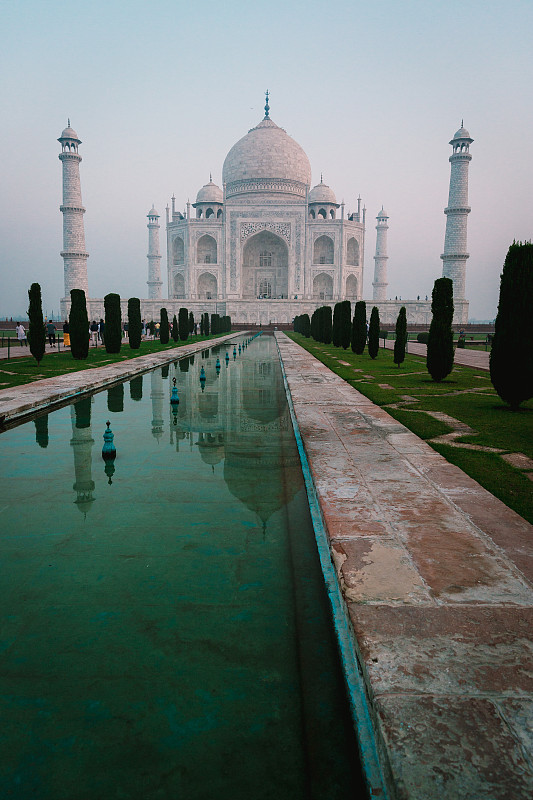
(266, 246)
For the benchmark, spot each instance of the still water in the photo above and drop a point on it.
(164, 627)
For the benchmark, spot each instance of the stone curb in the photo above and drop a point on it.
(20, 401)
(436, 576)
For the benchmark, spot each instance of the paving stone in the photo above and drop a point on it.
(436, 574)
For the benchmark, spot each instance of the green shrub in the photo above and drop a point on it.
(511, 356)
(78, 325)
(174, 332)
(461, 342)
(134, 323)
(439, 358)
(422, 338)
(358, 337)
(400, 340)
(383, 334)
(36, 331)
(164, 331)
(113, 323)
(191, 322)
(373, 333)
(183, 324)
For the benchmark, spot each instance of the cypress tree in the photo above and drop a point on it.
(41, 431)
(401, 337)
(175, 330)
(191, 322)
(134, 323)
(373, 333)
(78, 325)
(136, 388)
(358, 338)
(511, 356)
(336, 330)
(305, 325)
(164, 332)
(183, 324)
(36, 331)
(314, 325)
(113, 323)
(346, 323)
(214, 323)
(115, 399)
(201, 324)
(228, 323)
(326, 324)
(439, 360)
(206, 324)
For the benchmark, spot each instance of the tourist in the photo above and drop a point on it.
(126, 328)
(21, 334)
(94, 333)
(66, 334)
(51, 331)
(101, 330)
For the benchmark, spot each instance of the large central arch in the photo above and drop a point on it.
(265, 266)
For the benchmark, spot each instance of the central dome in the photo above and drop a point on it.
(267, 159)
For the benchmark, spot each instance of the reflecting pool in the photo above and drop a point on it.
(164, 628)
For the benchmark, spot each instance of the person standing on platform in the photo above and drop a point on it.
(21, 334)
(51, 331)
(66, 334)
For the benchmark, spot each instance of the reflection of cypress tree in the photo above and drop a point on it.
(82, 409)
(191, 360)
(115, 399)
(136, 388)
(41, 431)
(184, 365)
(164, 371)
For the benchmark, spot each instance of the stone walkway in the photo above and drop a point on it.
(466, 358)
(19, 401)
(436, 575)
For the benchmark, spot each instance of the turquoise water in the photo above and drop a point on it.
(164, 629)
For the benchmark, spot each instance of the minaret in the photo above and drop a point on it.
(154, 256)
(455, 255)
(157, 395)
(73, 254)
(82, 442)
(380, 269)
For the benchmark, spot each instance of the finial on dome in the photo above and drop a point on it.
(210, 177)
(267, 107)
(321, 181)
(68, 120)
(462, 123)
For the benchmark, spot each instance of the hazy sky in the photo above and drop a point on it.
(159, 92)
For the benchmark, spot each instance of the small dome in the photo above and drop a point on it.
(69, 133)
(152, 213)
(321, 193)
(382, 213)
(210, 193)
(462, 133)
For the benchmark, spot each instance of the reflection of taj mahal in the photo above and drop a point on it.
(266, 246)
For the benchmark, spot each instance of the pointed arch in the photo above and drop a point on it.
(323, 287)
(206, 250)
(207, 286)
(352, 252)
(351, 292)
(178, 251)
(323, 250)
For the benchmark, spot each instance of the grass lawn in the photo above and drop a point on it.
(466, 395)
(18, 371)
